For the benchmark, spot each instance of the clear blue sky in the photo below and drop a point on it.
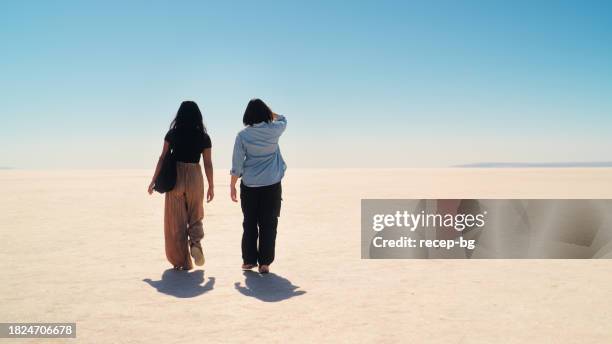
(363, 84)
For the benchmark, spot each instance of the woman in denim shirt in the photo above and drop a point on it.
(258, 161)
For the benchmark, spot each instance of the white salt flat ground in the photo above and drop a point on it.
(87, 247)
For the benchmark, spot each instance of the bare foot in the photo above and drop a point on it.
(248, 266)
(264, 269)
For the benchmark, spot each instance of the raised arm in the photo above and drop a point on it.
(279, 123)
(160, 161)
(208, 170)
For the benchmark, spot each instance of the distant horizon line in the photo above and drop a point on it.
(566, 164)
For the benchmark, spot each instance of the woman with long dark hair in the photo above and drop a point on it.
(187, 139)
(258, 161)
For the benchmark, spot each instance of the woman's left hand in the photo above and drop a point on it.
(151, 186)
(210, 194)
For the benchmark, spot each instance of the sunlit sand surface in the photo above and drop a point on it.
(87, 247)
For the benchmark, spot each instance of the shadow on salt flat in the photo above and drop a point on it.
(267, 287)
(182, 284)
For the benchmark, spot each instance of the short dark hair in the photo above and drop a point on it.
(256, 112)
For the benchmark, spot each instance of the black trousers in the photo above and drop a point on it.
(261, 209)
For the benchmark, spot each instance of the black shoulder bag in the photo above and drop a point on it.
(167, 175)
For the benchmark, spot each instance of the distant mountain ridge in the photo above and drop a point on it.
(538, 164)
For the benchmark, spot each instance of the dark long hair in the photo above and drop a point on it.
(256, 112)
(188, 116)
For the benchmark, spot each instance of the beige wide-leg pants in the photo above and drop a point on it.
(183, 214)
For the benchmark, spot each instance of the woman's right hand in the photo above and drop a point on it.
(151, 186)
(233, 193)
(210, 194)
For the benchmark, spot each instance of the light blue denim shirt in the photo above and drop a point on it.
(257, 157)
